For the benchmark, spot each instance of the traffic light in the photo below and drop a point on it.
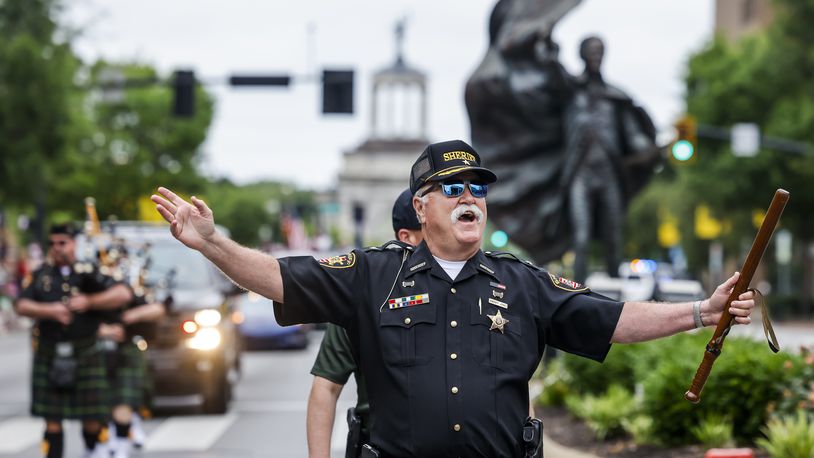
(183, 85)
(337, 92)
(686, 142)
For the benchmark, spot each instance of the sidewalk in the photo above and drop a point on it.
(552, 449)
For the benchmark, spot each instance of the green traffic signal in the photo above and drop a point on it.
(683, 150)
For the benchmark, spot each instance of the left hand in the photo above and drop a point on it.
(113, 331)
(79, 303)
(741, 309)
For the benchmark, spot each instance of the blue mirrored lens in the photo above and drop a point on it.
(452, 189)
(478, 190)
(455, 189)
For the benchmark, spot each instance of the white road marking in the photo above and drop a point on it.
(195, 433)
(20, 433)
(269, 406)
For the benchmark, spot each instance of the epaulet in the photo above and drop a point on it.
(513, 257)
(392, 245)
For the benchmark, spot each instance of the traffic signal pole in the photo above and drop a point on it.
(784, 145)
(337, 89)
(685, 146)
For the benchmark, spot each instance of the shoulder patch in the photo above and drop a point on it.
(566, 284)
(343, 261)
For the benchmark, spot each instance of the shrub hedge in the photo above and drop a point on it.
(746, 383)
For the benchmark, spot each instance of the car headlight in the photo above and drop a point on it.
(207, 317)
(205, 339)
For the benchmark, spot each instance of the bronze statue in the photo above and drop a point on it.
(570, 150)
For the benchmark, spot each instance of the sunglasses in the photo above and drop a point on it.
(456, 188)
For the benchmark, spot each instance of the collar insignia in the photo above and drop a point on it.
(418, 266)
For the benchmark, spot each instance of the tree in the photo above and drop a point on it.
(36, 80)
(244, 210)
(132, 144)
(761, 79)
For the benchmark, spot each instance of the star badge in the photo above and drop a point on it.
(498, 322)
(466, 162)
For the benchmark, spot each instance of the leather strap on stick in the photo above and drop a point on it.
(764, 234)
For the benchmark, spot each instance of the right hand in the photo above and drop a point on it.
(192, 225)
(60, 313)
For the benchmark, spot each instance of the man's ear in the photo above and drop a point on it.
(418, 206)
(403, 235)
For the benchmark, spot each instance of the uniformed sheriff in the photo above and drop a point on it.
(69, 381)
(448, 335)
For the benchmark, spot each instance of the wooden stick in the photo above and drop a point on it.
(764, 234)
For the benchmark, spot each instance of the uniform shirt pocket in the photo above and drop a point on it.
(492, 348)
(401, 332)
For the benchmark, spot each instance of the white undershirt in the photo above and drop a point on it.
(452, 268)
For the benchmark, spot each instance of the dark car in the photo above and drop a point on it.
(258, 329)
(194, 356)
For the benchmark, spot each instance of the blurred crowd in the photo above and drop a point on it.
(16, 263)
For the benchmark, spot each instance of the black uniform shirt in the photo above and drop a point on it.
(48, 284)
(443, 380)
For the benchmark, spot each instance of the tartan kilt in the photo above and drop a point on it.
(89, 399)
(129, 379)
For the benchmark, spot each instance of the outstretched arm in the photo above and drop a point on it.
(642, 321)
(194, 225)
(320, 417)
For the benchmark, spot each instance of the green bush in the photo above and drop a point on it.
(556, 384)
(604, 414)
(714, 431)
(640, 428)
(790, 437)
(797, 386)
(619, 368)
(747, 384)
(742, 385)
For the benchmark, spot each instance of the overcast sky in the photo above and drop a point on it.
(279, 133)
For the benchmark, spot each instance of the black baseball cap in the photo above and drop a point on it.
(440, 161)
(68, 229)
(404, 216)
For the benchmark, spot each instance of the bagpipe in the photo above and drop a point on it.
(130, 263)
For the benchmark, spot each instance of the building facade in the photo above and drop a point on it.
(736, 18)
(374, 173)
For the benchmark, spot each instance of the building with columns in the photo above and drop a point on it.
(374, 173)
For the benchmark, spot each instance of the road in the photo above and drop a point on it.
(266, 419)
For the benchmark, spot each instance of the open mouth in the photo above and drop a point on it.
(467, 217)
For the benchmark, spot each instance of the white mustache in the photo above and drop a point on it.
(461, 209)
